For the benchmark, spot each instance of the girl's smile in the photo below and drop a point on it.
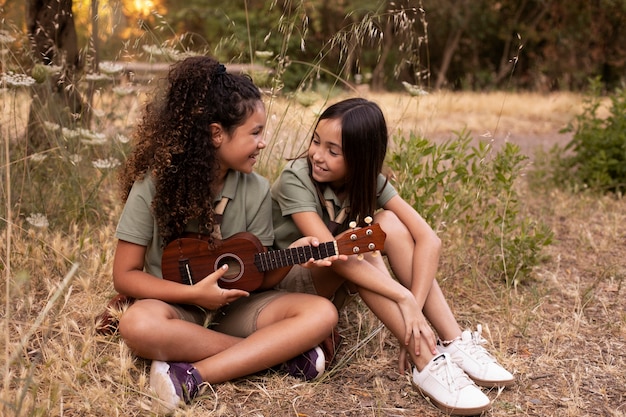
(326, 154)
(240, 150)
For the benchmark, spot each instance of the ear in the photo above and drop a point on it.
(217, 134)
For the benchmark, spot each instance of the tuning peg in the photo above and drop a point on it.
(368, 220)
(352, 225)
(360, 257)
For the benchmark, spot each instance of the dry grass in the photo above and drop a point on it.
(564, 336)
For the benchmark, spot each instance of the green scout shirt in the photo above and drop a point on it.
(249, 210)
(294, 192)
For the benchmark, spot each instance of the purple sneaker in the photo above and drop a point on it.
(174, 382)
(308, 366)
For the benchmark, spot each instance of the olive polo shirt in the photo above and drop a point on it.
(249, 210)
(294, 192)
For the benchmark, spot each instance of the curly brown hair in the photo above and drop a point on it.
(173, 141)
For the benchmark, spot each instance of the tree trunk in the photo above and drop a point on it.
(52, 33)
(451, 46)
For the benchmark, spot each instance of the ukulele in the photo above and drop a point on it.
(188, 259)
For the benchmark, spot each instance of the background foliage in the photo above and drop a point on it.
(467, 44)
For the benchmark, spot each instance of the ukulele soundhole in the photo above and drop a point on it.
(235, 266)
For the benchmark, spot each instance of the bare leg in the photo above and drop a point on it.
(152, 329)
(389, 313)
(404, 258)
(287, 327)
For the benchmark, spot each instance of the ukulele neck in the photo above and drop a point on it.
(275, 259)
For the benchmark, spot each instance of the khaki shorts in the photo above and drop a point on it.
(194, 314)
(300, 279)
(236, 319)
(240, 317)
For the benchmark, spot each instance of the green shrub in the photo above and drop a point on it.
(468, 194)
(595, 158)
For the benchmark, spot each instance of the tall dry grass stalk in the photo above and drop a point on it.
(7, 259)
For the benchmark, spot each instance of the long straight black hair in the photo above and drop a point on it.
(364, 140)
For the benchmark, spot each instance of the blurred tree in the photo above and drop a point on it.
(51, 30)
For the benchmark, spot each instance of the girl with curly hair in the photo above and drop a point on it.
(195, 146)
(341, 173)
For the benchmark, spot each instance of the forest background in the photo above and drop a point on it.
(507, 121)
(461, 45)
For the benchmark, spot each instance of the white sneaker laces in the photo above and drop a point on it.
(474, 347)
(446, 370)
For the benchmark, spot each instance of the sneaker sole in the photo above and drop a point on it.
(452, 410)
(162, 386)
(492, 384)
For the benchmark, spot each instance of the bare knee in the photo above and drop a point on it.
(324, 311)
(319, 313)
(138, 323)
(393, 226)
(328, 312)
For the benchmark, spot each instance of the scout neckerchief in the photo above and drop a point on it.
(219, 215)
(334, 221)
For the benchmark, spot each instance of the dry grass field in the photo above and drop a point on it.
(563, 334)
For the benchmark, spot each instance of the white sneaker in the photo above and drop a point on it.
(449, 388)
(479, 364)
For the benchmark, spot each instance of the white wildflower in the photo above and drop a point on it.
(122, 138)
(179, 56)
(156, 50)
(38, 220)
(153, 49)
(6, 37)
(264, 54)
(414, 90)
(69, 133)
(109, 67)
(51, 127)
(172, 53)
(108, 163)
(124, 90)
(92, 138)
(16, 80)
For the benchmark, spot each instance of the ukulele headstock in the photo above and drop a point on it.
(361, 240)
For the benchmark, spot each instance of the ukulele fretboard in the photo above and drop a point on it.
(275, 259)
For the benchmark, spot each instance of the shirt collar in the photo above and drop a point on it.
(230, 186)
